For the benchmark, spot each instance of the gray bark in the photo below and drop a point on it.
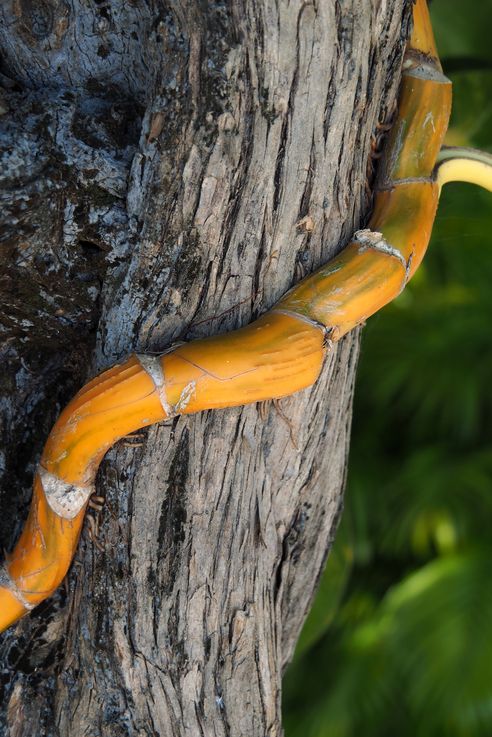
(168, 170)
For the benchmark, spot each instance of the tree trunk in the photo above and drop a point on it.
(168, 170)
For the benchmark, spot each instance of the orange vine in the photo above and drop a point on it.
(276, 355)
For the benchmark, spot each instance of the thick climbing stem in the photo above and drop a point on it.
(277, 355)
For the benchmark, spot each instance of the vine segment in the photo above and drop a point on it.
(278, 354)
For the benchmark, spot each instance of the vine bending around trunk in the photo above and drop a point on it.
(278, 354)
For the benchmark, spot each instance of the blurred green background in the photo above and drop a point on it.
(399, 641)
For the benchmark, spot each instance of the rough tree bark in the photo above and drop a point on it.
(168, 169)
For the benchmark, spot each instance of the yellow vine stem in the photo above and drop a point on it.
(456, 164)
(276, 355)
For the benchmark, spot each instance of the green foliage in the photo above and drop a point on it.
(462, 29)
(400, 640)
